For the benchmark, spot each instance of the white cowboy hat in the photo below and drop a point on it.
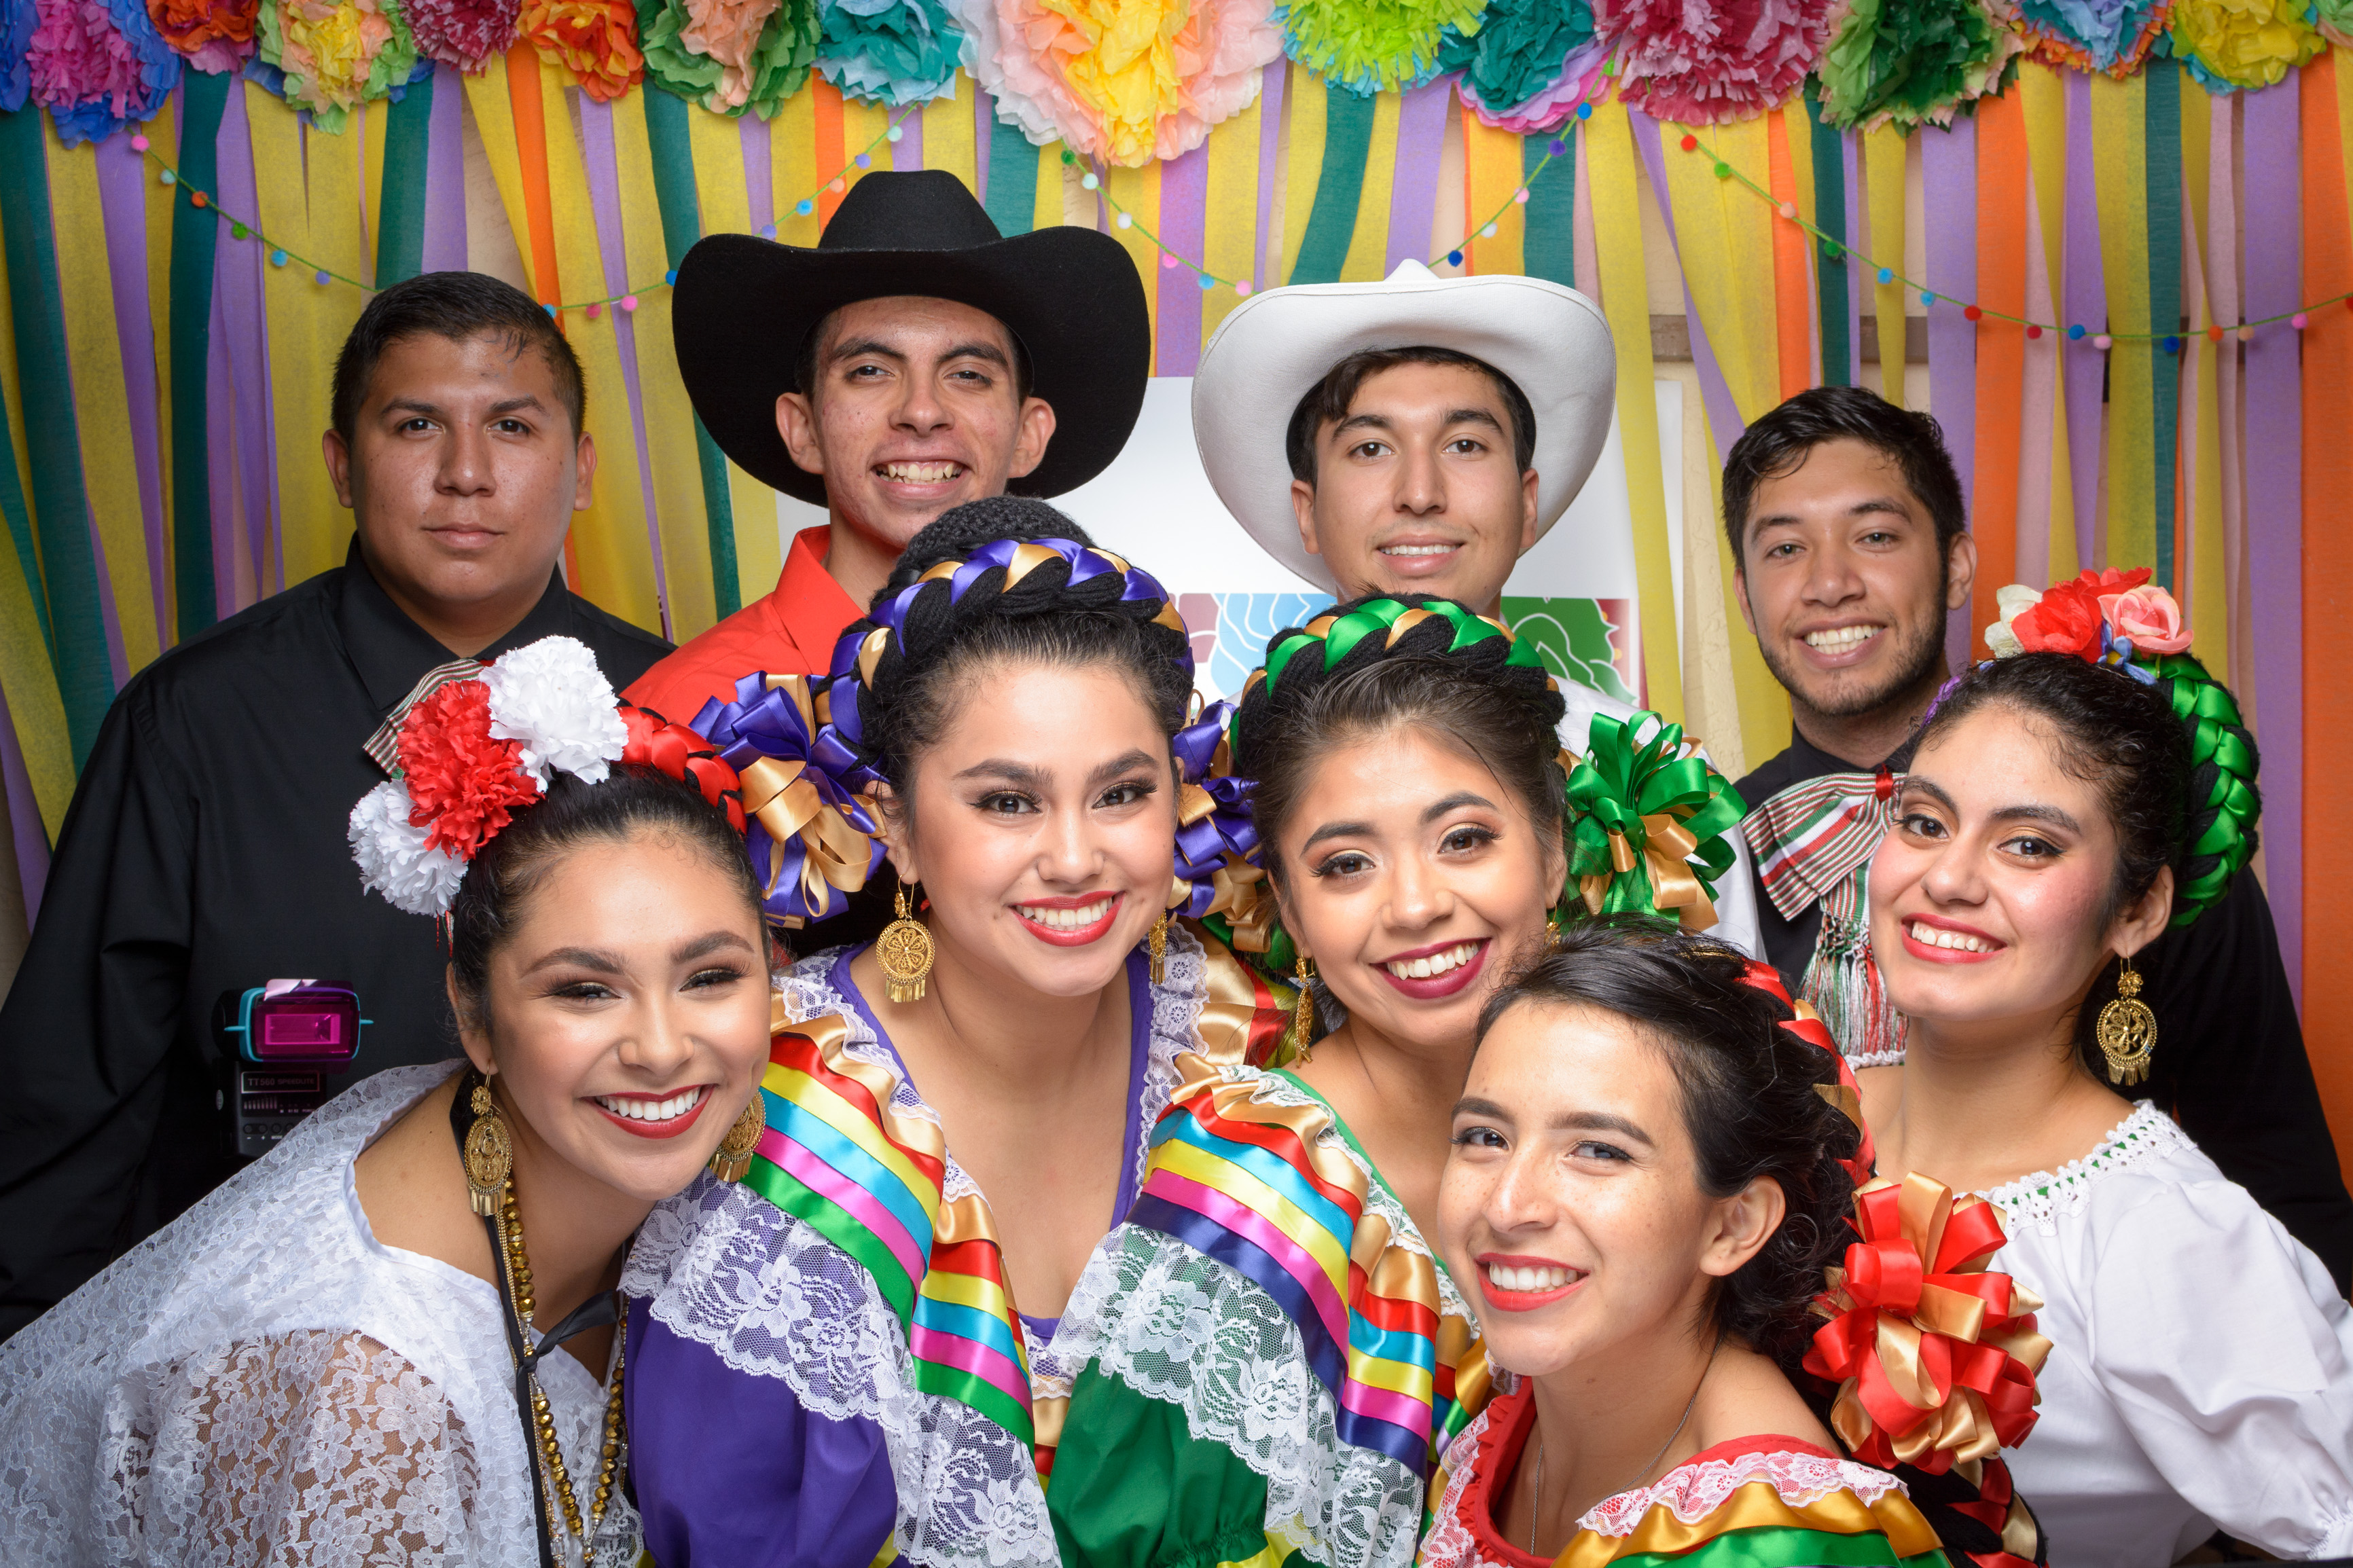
(1272, 349)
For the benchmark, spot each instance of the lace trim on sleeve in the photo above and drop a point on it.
(773, 1298)
(1196, 1334)
(2042, 1198)
(1694, 1492)
(1449, 1543)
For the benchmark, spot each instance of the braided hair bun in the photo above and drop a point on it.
(1002, 581)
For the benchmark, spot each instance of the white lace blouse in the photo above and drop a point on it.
(2202, 1368)
(263, 1382)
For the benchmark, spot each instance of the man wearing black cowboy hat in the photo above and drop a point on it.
(914, 359)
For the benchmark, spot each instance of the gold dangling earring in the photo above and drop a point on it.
(1159, 949)
(1302, 1017)
(904, 952)
(1554, 922)
(489, 1154)
(2127, 1030)
(733, 1155)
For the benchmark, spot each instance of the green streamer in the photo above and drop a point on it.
(1832, 292)
(1012, 179)
(400, 229)
(673, 159)
(66, 565)
(1549, 245)
(2162, 122)
(1339, 187)
(195, 232)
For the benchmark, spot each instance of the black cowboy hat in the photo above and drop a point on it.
(745, 306)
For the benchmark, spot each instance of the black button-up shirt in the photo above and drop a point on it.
(2229, 1064)
(204, 852)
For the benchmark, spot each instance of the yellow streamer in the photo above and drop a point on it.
(670, 418)
(1491, 170)
(862, 123)
(718, 146)
(485, 95)
(1725, 239)
(102, 405)
(1305, 164)
(1138, 190)
(1883, 160)
(948, 137)
(609, 541)
(372, 120)
(1625, 296)
(1368, 245)
(1048, 212)
(2119, 161)
(792, 170)
(26, 676)
(1230, 238)
(2210, 600)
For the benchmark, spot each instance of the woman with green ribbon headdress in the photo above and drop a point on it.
(1275, 1357)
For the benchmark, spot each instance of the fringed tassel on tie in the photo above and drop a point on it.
(1845, 988)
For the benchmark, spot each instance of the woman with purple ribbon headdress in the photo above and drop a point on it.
(857, 1355)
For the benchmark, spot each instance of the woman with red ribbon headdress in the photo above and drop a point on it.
(2068, 800)
(396, 1337)
(1654, 1177)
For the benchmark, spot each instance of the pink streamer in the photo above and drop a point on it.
(2087, 307)
(122, 202)
(1723, 419)
(1184, 213)
(1948, 178)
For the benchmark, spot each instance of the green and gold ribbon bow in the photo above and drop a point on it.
(1647, 822)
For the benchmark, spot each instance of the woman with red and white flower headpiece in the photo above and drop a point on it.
(397, 1338)
(2068, 800)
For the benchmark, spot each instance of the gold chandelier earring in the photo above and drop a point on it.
(733, 1155)
(2127, 1030)
(904, 952)
(1159, 949)
(489, 1154)
(1302, 1017)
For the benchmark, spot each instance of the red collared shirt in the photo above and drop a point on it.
(789, 632)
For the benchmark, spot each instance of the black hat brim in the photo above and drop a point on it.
(744, 305)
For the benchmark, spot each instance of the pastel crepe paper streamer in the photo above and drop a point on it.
(1269, 152)
(60, 507)
(2087, 306)
(25, 825)
(1883, 159)
(2276, 494)
(605, 199)
(1833, 292)
(1949, 179)
(1183, 201)
(2232, 655)
(1548, 241)
(1012, 178)
(1369, 236)
(2207, 603)
(1792, 306)
(1999, 385)
(244, 331)
(27, 667)
(444, 242)
(407, 153)
(720, 197)
(1339, 186)
(2161, 108)
(2119, 149)
(2047, 550)
(1230, 234)
(1413, 189)
(196, 234)
(1858, 287)
(1723, 414)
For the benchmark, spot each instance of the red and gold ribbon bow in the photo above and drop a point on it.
(1935, 1356)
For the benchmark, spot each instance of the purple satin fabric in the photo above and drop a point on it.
(731, 1469)
(728, 1469)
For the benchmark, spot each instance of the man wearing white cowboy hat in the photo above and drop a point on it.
(1432, 430)
(914, 360)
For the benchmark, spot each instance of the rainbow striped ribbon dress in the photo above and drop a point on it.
(1272, 1360)
(826, 1366)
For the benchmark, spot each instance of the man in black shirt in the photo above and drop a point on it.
(1851, 543)
(205, 851)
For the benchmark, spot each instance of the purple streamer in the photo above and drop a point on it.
(984, 117)
(238, 271)
(221, 473)
(24, 825)
(2275, 402)
(1413, 193)
(1850, 153)
(1270, 148)
(2086, 305)
(907, 152)
(1715, 393)
(445, 181)
(123, 201)
(604, 171)
(1948, 176)
(758, 186)
(1183, 211)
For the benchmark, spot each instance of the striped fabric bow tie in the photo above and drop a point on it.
(1809, 838)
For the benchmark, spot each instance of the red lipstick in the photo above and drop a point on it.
(1071, 936)
(670, 1129)
(1435, 987)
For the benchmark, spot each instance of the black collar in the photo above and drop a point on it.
(389, 650)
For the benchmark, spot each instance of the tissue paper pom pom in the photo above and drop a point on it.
(730, 55)
(334, 56)
(550, 697)
(1122, 83)
(1909, 62)
(462, 32)
(212, 36)
(2234, 44)
(888, 51)
(2111, 35)
(393, 857)
(97, 64)
(1374, 45)
(596, 40)
(2336, 20)
(16, 20)
(1529, 63)
(463, 784)
(1702, 64)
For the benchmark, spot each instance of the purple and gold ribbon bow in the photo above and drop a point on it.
(812, 842)
(1217, 872)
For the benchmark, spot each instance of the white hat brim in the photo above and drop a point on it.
(1272, 349)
